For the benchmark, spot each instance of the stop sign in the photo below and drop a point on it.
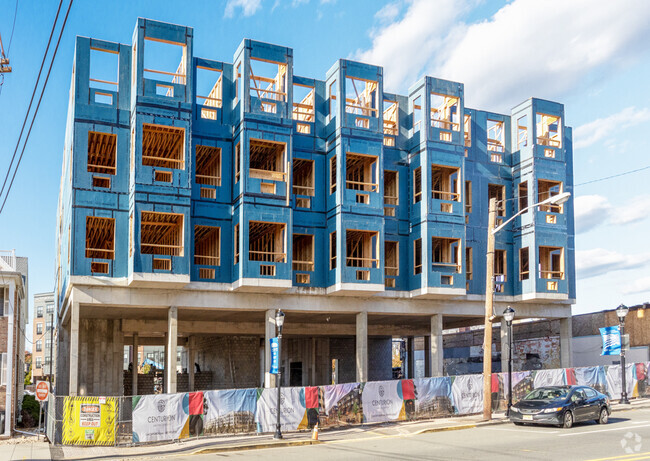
(42, 390)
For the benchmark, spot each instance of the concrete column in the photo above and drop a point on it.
(190, 362)
(269, 332)
(170, 349)
(362, 347)
(74, 349)
(134, 374)
(505, 346)
(427, 356)
(118, 358)
(436, 357)
(566, 335)
(410, 357)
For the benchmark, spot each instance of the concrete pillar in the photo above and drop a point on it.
(170, 349)
(436, 357)
(362, 347)
(410, 357)
(134, 374)
(190, 362)
(566, 335)
(118, 358)
(505, 347)
(74, 349)
(427, 356)
(269, 332)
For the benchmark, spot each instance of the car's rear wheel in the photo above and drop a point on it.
(603, 417)
(517, 423)
(567, 420)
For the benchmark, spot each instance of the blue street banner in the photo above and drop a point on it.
(274, 355)
(611, 340)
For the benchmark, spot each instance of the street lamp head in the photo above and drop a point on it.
(558, 199)
(279, 318)
(509, 314)
(622, 311)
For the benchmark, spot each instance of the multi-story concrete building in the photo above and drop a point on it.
(13, 322)
(199, 196)
(42, 334)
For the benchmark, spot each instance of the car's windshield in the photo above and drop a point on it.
(549, 393)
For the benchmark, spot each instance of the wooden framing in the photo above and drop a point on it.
(364, 102)
(303, 252)
(545, 189)
(391, 258)
(179, 75)
(467, 130)
(102, 152)
(391, 188)
(551, 262)
(522, 195)
(524, 264)
(549, 130)
(100, 237)
(417, 185)
(214, 98)
(304, 110)
(267, 242)
(445, 252)
(208, 165)
(361, 172)
(391, 120)
(163, 146)
(444, 183)
(267, 160)
(332, 174)
(303, 177)
(445, 112)
(276, 88)
(498, 192)
(362, 248)
(161, 233)
(522, 132)
(495, 136)
(207, 245)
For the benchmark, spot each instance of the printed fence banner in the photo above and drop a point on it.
(312, 404)
(467, 394)
(293, 412)
(196, 413)
(230, 411)
(613, 375)
(570, 376)
(611, 337)
(555, 377)
(642, 379)
(161, 417)
(342, 404)
(382, 401)
(86, 421)
(592, 377)
(433, 397)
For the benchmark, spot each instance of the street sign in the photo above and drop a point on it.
(42, 390)
(274, 355)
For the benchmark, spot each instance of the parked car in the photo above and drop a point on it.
(561, 406)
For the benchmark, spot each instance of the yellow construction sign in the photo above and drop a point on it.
(89, 420)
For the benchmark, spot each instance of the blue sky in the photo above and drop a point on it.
(590, 55)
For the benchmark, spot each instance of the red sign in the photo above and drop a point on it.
(42, 390)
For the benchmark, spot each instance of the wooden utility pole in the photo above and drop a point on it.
(489, 291)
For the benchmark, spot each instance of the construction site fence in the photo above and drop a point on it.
(133, 420)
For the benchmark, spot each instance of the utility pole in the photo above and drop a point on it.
(51, 345)
(489, 293)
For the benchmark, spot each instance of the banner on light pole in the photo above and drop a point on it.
(611, 340)
(275, 359)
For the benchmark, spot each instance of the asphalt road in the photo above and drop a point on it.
(626, 437)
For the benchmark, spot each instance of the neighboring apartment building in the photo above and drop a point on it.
(14, 317)
(43, 331)
(199, 196)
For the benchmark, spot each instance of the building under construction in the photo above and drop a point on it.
(199, 196)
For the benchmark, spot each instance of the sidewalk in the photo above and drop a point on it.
(22, 449)
(229, 443)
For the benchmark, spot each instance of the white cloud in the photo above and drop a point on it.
(641, 285)
(389, 12)
(527, 48)
(248, 7)
(592, 211)
(599, 129)
(599, 261)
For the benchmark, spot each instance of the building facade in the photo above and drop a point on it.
(42, 334)
(13, 322)
(199, 196)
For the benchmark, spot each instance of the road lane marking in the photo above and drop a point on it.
(520, 430)
(622, 457)
(624, 428)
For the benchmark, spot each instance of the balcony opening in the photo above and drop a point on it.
(522, 132)
(100, 237)
(163, 146)
(267, 242)
(467, 130)
(209, 91)
(522, 192)
(417, 114)
(102, 152)
(444, 183)
(498, 192)
(333, 174)
(161, 233)
(391, 258)
(546, 189)
(208, 165)
(361, 172)
(361, 97)
(303, 111)
(104, 70)
(303, 177)
(417, 256)
(468, 197)
(469, 263)
(332, 243)
(268, 80)
(495, 139)
(549, 130)
(267, 160)
(417, 185)
(445, 253)
(445, 112)
(391, 126)
(303, 252)
(164, 61)
(524, 264)
(362, 248)
(500, 268)
(551, 262)
(391, 191)
(207, 248)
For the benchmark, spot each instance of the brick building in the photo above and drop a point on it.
(42, 334)
(199, 196)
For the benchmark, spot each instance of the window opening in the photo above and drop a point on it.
(495, 138)
(361, 172)
(266, 242)
(445, 252)
(161, 233)
(303, 110)
(236, 243)
(500, 267)
(208, 165)
(333, 250)
(303, 252)
(498, 192)
(469, 263)
(209, 91)
(104, 70)
(444, 182)
(267, 160)
(549, 130)
(102, 149)
(391, 188)
(333, 174)
(524, 264)
(467, 130)
(547, 189)
(361, 97)
(268, 80)
(417, 256)
(522, 132)
(237, 161)
(468, 196)
(207, 245)
(100, 237)
(333, 100)
(362, 248)
(164, 61)
(417, 114)
(303, 177)
(417, 184)
(523, 195)
(391, 127)
(445, 112)
(237, 81)
(391, 256)
(551, 262)
(163, 146)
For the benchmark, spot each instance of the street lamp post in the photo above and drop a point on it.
(621, 312)
(279, 321)
(489, 292)
(508, 316)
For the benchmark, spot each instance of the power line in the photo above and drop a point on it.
(11, 37)
(47, 77)
(49, 41)
(613, 176)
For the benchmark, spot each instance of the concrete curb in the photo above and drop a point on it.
(256, 446)
(460, 427)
